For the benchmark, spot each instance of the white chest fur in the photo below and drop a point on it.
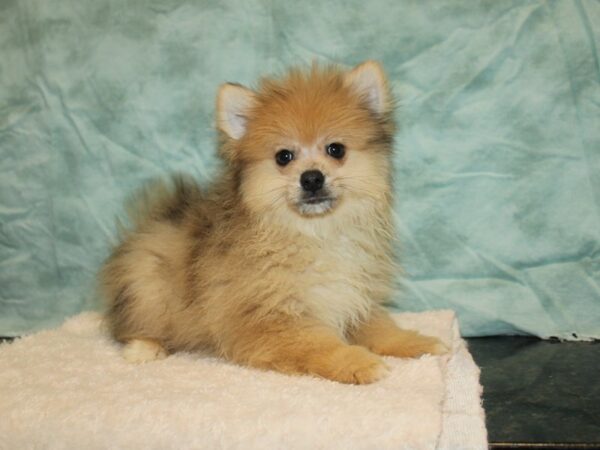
(338, 283)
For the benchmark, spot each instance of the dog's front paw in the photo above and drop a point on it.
(353, 364)
(139, 351)
(415, 345)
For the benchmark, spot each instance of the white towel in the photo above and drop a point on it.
(70, 388)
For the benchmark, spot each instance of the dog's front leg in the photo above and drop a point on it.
(294, 346)
(382, 336)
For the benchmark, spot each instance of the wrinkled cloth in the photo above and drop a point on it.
(70, 388)
(498, 149)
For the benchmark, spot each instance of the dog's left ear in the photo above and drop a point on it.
(369, 81)
(234, 103)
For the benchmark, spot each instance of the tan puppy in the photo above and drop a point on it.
(286, 262)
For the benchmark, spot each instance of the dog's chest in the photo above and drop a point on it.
(339, 282)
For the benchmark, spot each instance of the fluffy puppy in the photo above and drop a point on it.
(286, 262)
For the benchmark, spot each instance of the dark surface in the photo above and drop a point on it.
(539, 392)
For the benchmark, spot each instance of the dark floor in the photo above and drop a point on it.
(540, 394)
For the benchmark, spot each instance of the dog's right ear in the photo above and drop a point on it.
(234, 103)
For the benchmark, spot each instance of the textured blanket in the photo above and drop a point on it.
(70, 388)
(498, 146)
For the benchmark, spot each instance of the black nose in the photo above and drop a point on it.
(312, 180)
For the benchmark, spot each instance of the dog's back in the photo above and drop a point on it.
(144, 278)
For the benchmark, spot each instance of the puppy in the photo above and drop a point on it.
(286, 262)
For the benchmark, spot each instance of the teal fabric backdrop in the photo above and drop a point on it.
(498, 151)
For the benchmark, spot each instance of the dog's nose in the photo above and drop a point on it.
(312, 180)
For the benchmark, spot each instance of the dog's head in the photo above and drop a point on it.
(310, 142)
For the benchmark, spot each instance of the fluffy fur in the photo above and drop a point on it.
(253, 271)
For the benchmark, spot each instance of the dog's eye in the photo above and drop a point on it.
(284, 157)
(336, 150)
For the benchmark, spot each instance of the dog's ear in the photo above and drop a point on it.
(234, 103)
(368, 80)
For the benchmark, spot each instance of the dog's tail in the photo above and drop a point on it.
(161, 200)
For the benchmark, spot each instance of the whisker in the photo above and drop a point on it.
(358, 177)
(263, 193)
(359, 190)
(276, 200)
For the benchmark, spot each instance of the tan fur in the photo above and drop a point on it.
(241, 270)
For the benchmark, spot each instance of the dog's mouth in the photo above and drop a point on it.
(316, 200)
(315, 205)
